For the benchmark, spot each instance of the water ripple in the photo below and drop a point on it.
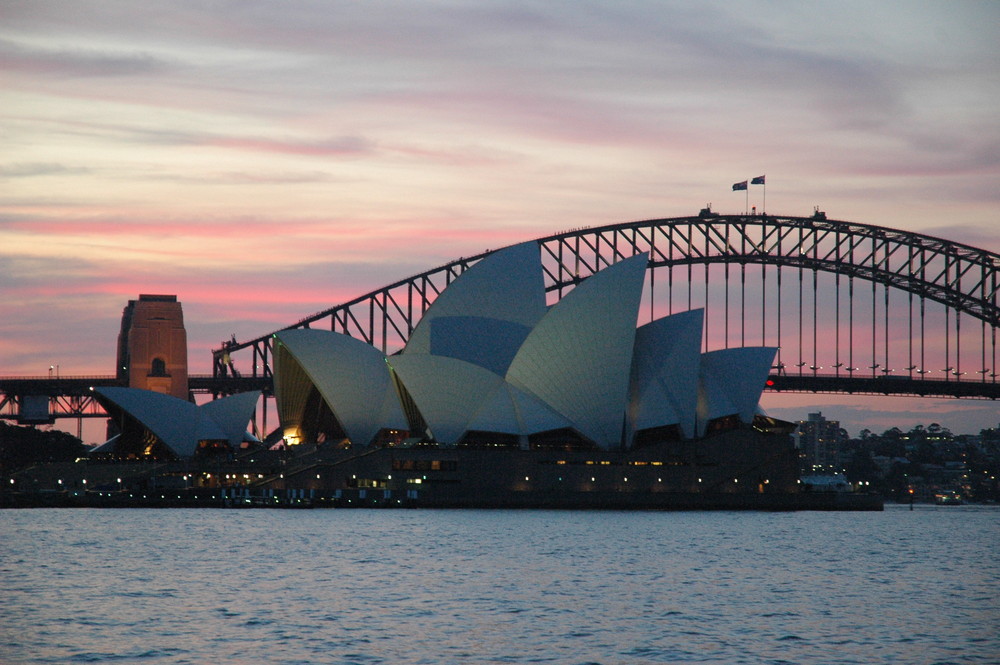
(468, 587)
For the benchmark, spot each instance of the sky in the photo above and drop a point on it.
(266, 160)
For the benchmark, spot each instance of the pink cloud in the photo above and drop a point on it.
(345, 146)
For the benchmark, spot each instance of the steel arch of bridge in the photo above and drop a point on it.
(915, 273)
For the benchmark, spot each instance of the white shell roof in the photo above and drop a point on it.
(454, 397)
(446, 391)
(487, 342)
(511, 410)
(731, 382)
(231, 414)
(174, 421)
(665, 368)
(505, 285)
(180, 425)
(579, 356)
(351, 376)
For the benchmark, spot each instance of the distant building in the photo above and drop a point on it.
(820, 441)
(152, 346)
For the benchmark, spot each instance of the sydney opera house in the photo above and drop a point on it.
(490, 364)
(499, 398)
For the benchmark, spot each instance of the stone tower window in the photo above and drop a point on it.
(158, 368)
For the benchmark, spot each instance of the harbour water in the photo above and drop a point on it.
(450, 586)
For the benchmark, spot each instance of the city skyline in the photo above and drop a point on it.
(264, 161)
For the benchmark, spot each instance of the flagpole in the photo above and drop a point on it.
(761, 180)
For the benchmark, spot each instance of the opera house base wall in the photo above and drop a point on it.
(738, 469)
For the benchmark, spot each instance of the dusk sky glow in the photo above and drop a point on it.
(265, 160)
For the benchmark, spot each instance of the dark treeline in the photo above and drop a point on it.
(926, 459)
(21, 447)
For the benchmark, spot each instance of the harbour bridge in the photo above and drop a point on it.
(853, 308)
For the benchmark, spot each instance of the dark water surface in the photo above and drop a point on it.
(442, 586)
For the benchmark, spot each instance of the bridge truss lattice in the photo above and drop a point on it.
(841, 300)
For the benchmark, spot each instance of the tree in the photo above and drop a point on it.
(24, 446)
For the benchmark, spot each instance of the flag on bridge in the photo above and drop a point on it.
(739, 186)
(759, 180)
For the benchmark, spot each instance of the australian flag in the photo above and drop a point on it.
(759, 180)
(739, 186)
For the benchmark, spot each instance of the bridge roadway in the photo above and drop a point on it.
(883, 385)
(72, 396)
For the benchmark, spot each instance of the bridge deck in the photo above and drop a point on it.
(72, 396)
(883, 385)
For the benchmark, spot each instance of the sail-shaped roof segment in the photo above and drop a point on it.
(505, 285)
(179, 424)
(511, 410)
(487, 342)
(665, 368)
(731, 382)
(231, 414)
(579, 356)
(350, 375)
(455, 396)
(446, 391)
(173, 421)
